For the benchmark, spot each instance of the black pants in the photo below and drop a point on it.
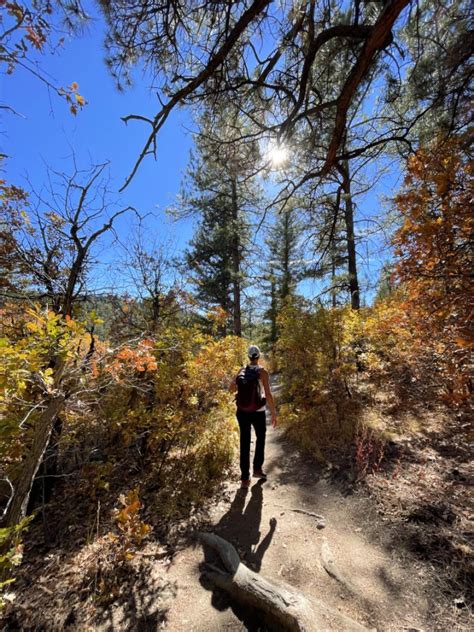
(246, 420)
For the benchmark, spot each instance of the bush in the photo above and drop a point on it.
(317, 353)
(159, 406)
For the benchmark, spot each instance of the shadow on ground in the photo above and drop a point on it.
(241, 526)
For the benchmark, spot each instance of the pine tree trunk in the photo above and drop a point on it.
(273, 312)
(351, 249)
(285, 287)
(333, 278)
(236, 283)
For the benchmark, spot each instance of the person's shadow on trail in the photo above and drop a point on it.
(241, 527)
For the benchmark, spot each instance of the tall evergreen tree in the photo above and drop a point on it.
(285, 264)
(222, 191)
(208, 50)
(284, 249)
(429, 91)
(350, 238)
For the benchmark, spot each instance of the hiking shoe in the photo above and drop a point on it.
(259, 474)
(245, 484)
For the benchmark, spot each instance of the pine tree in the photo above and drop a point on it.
(431, 96)
(222, 191)
(328, 247)
(285, 264)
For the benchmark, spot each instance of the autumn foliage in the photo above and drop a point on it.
(416, 341)
(317, 357)
(434, 268)
(157, 407)
(168, 393)
(29, 27)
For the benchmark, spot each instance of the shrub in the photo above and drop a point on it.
(317, 353)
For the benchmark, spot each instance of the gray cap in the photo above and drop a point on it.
(253, 352)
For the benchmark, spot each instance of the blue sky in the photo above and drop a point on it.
(46, 132)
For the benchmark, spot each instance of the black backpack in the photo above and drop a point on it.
(249, 397)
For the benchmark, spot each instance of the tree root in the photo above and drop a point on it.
(281, 604)
(329, 565)
(321, 519)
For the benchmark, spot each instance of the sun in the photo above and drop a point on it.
(278, 155)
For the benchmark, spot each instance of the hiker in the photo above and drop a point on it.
(253, 392)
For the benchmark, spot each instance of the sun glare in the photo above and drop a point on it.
(278, 155)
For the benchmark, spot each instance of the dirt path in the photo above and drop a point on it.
(371, 582)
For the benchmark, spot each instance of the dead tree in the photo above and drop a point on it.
(55, 246)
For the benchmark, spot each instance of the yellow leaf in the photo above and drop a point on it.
(80, 99)
(464, 342)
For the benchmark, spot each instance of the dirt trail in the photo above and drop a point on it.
(371, 581)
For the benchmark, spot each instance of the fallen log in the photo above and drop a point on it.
(284, 607)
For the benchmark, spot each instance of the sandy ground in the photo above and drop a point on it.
(380, 588)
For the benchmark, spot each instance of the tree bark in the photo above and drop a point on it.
(285, 607)
(333, 278)
(236, 283)
(286, 280)
(76, 269)
(23, 484)
(381, 34)
(350, 236)
(273, 309)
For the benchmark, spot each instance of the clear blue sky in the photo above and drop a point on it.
(45, 131)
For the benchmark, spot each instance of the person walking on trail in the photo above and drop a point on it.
(252, 388)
